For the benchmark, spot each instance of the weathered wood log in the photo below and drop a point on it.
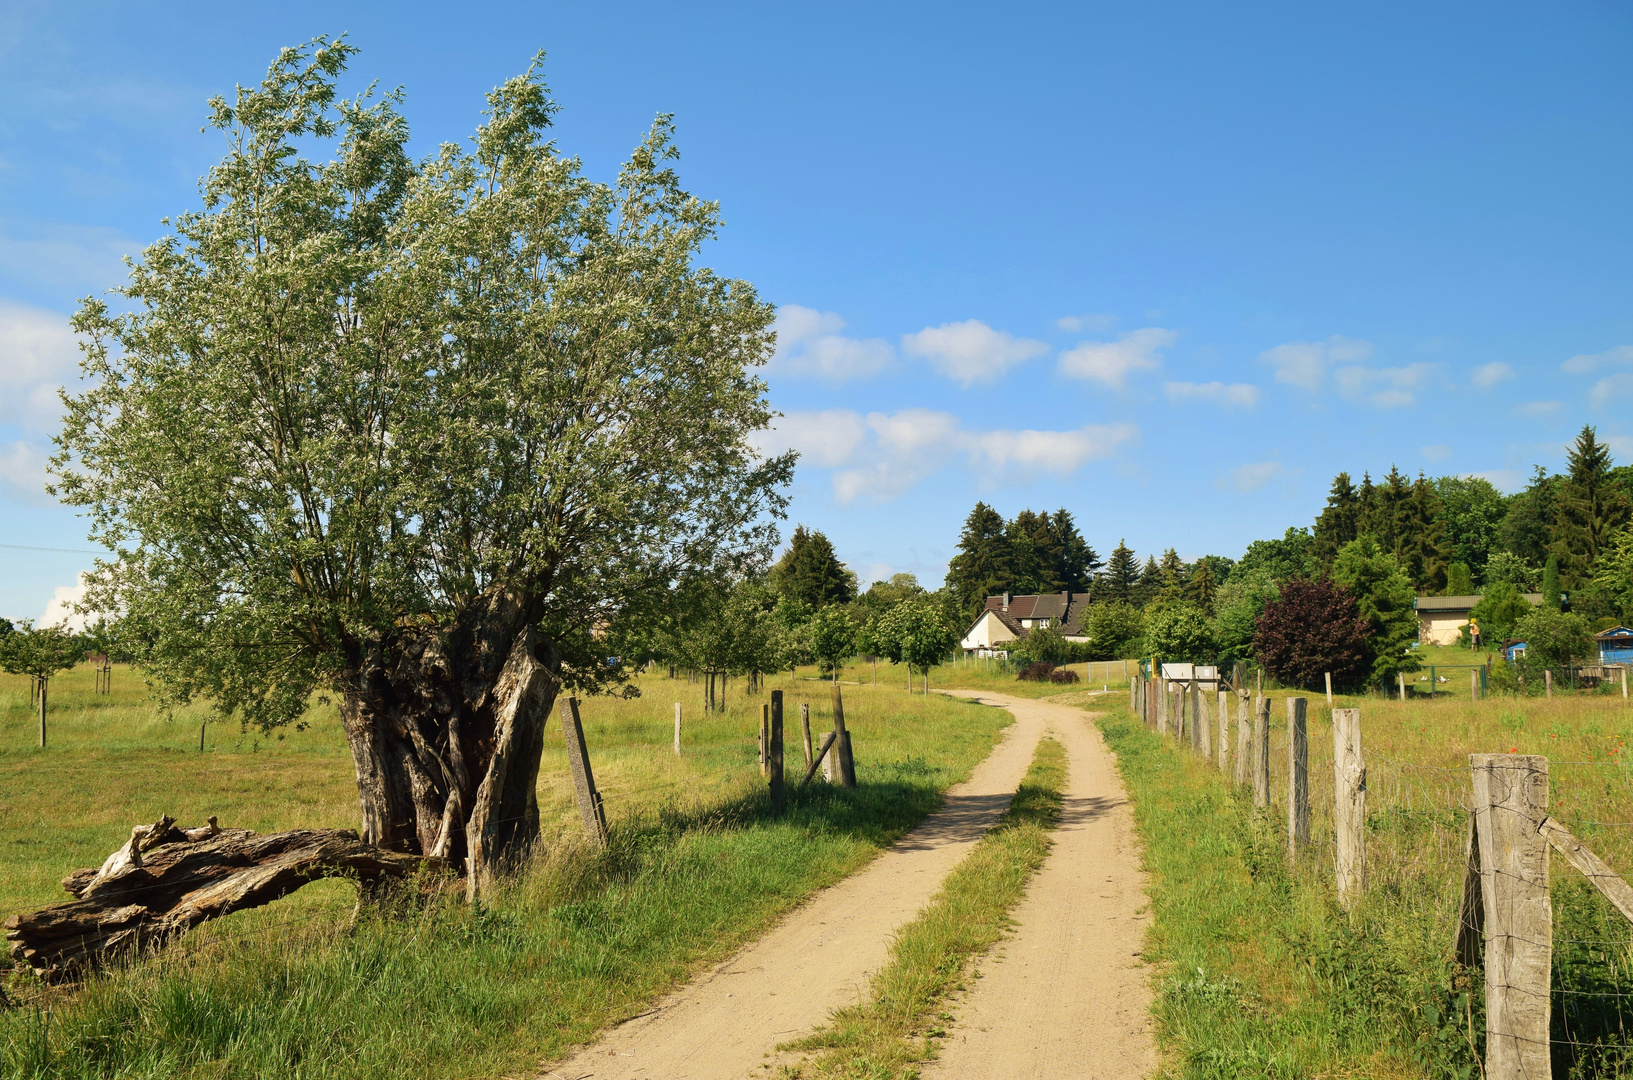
(165, 881)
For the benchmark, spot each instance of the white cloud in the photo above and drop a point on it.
(1250, 477)
(1437, 452)
(1540, 408)
(1094, 324)
(828, 437)
(970, 351)
(22, 473)
(59, 610)
(809, 344)
(1304, 363)
(1488, 375)
(1581, 365)
(1111, 362)
(889, 453)
(37, 356)
(1611, 387)
(1240, 394)
(1507, 481)
(1387, 388)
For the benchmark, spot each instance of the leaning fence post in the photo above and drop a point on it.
(805, 725)
(578, 763)
(1261, 753)
(1298, 776)
(1350, 806)
(774, 752)
(677, 729)
(1510, 803)
(1244, 739)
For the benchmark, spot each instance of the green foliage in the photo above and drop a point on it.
(1527, 528)
(1505, 566)
(1613, 575)
(1288, 557)
(1590, 509)
(1236, 612)
(832, 636)
(1045, 644)
(1338, 523)
(811, 573)
(1472, 511)
(1385, 598)
(1553, 639)
(393, 391)
(1499, 609)
(1550, 582)
(916, 633)
(1116, 630)
(1034, 553)
(1121, 580)
(1178, 632)
(39, 651)
(985, 563)
(1458, 580)
(884, 595)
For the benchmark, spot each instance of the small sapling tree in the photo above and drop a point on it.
(918, 635)
(832, 636)
(414, 433)
(40, 652)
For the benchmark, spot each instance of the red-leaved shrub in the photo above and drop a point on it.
(1313, 628)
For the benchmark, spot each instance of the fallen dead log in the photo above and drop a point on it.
(165, 881)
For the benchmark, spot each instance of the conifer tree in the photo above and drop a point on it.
(1077, 560)
(1528, 526)
(1121, 581)
(811, 573)
(1035, 551)
(1202, 586)
(1150, 582)
(1425, 550)
(984, 565)
(1338, 522)
(1172, 577)
(1590, 510)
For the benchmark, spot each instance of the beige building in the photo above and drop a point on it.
(1009, 618)
(1441, 618)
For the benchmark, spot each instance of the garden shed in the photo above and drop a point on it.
(1615, 645)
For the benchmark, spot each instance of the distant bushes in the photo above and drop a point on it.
(1037, 671)
(1062, 675)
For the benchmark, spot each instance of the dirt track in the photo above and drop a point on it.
(1065, 996)
(724, 1024)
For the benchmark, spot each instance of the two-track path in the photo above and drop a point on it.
(1065, 996)
(726, 1023)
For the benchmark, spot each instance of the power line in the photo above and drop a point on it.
(65, 551)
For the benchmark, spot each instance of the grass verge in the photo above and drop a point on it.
(885, 1038)
(696, 866)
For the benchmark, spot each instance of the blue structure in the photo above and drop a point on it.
(1512, 649)
(1615, 645)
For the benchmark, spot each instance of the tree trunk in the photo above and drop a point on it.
(446, 730)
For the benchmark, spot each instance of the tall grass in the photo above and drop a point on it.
(1267, 977)
(696, 865)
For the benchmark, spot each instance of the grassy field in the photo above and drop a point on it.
(1265, 976)
(887, 1036)
(696, 866)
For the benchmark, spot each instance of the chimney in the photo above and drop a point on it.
(1006, 602)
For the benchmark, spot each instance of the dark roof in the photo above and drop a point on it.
(1065, 608)
(1614, 632)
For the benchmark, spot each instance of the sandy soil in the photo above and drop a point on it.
(1065, 996)
(725, 1024)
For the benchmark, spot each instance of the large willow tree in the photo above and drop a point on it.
(413, 434)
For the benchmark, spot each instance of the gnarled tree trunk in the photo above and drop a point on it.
(446, 730)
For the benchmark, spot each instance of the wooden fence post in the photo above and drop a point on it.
(765, 739)
(1298, 776)
(1329, 689)
(842, 742)
(1224, 731)
(677, 729)
(1261, 753)
(1400, 679)
(578, 763)
(1203, 721)
(44, 683)
(1350, 807)
(1510, 803)
(1162, 705)
(1547, 682)
(774, 757)
(805, 726)
(1244, 739)
(1624, 684)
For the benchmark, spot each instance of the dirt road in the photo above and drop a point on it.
(725, 1024)
(1065, 996)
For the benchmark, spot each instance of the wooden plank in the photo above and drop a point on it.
(1202, 721)
(1471, 910)
(1224, 730)
(1595, 869)
(805, 725)
(1298, 776)
(677, 729)
(842, 742)
(1244, 739)
(1510, 803)
(1350, 807)
(821, 757)
(578, 763)
(1329, 689)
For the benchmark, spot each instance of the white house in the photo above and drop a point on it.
(1009, 618)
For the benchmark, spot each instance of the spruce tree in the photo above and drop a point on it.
(1202, 586)
(1150, 586)
(1121, 581)
(1527, 527)
(984, 565)
(1033, 547)
(1338, 522)
(1077, 560)
(1171, 577)
(1425, 550)
(1590, 510)
(811, 573)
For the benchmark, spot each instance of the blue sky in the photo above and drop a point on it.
(1170, 266)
